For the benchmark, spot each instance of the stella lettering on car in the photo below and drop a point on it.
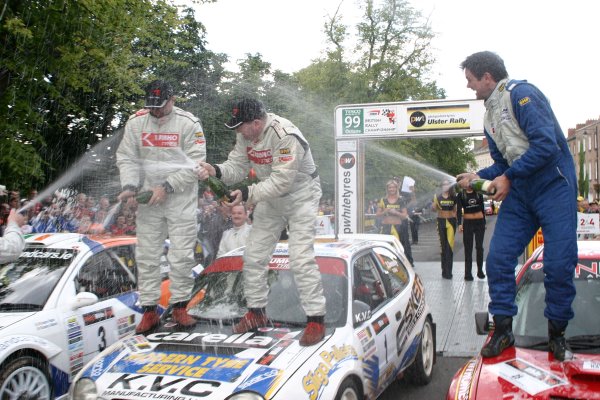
(247, 339)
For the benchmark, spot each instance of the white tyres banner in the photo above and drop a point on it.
(346, 204)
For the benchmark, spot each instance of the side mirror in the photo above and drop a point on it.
(483, 325)
(361, 312)
(83, 299)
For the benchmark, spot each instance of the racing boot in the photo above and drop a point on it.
(501, 339)
(150, 320)
(557, 342)
(181, 316)
(314, 331)
(254, 318)
(480, 273)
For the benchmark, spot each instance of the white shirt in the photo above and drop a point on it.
(233, 238)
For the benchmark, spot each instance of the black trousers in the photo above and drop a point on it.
(473, 228)
(414, 228)
(402, 230)
(446, 230)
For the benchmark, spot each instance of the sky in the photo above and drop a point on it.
(553, 45)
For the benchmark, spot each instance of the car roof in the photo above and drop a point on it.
(343, 247)
(585, 249)
(75, 240)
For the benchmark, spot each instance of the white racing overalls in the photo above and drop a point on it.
(287, 193)
(159, 150)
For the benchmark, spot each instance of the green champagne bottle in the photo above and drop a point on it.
(144, 197)
(219, 188)
(482, 186)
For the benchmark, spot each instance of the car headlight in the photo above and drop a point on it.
(85, 389)
(245, 396)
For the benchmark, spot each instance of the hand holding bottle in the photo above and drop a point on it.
(204, 170)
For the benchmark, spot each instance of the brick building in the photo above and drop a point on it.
(584, 138)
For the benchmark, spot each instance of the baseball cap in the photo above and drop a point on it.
(245, 110)
(580, 198)
(158, 93)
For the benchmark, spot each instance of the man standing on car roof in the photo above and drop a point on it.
(159, 141)
(288, 193)
(534, 177)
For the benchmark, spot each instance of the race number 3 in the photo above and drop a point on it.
(352, 121)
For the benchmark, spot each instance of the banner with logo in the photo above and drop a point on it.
(347, 199)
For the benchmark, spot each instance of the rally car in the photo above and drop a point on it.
(379, 328)
(65, 299)
(528, 370)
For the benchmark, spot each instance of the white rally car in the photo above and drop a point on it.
(379, 328)
(65, 299)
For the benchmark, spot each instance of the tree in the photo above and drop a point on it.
(582, 180)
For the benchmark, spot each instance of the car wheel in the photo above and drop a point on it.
(421, 369)
(348, 391)
(25, 378)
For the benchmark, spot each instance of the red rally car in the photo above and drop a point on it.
(528, 370)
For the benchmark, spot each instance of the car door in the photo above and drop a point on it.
(378, 333)
(115, 315)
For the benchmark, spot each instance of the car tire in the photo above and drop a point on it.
(348, 390)
(421, 370)
(25, 377)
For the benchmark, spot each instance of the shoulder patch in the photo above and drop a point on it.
(199, 134)
(279, 130)
(284, 150)
(143, 111)
(501, 88)
(524, 101)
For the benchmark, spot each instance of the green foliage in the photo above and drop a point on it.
(582, 180)
(71, 72)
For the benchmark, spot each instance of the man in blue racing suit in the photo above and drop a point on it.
(534, 176)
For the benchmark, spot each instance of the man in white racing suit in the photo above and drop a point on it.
(160, 146)
(288, 193)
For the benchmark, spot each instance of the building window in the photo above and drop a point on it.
(596, 139)
(596, 176)
(589, 140)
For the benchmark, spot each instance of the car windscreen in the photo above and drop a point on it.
(219, 294)
(530, 323)
(26, 283)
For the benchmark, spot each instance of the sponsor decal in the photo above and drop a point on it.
(263, 381)
(286, 159)
(137, 344)
(413, 312)
(504, 115)
(524, 101)
(260, 156)
(465, 380)
(526, 376)
(284, 150)
(125, 325)
(371, 372)
(199, 134)
(367, 341)
(41, 325)
(158, 387)
(315, 381)
(502, 87)
(184, 364)
(75, 339)
(591, 365)
(5, 344)
(279, 263)
(160, 139)
(275, 351)
(60, 255)
(347, 160)
(97, 369)
(362, 316)
(436, 118)
(248, 339)
(98, 316)
(199, 141)
(381, 322)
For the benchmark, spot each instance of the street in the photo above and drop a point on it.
(427, 256)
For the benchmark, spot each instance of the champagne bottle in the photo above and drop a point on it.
(482, 186)
(144, 197)
(219, 188)
(479, 186)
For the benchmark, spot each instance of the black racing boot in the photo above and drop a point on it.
(501, 339)
(557, 342)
